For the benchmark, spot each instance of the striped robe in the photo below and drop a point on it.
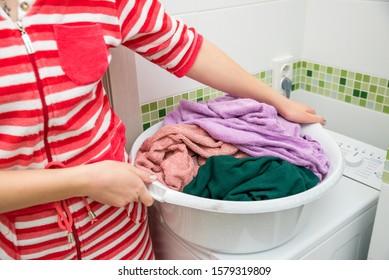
(54, 111)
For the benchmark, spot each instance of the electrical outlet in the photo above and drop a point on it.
(282, 68)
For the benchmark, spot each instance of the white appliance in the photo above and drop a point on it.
(379, 245)
(341, 221)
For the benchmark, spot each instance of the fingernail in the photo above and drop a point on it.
(153, 177)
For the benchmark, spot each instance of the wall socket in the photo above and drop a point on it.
(282, 68)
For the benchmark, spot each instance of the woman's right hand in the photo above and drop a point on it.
(117, 183)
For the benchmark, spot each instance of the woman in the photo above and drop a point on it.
(66, 188)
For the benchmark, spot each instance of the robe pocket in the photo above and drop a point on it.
(83, 54)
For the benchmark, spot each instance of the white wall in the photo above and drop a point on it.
(350, 34)
(253, 32)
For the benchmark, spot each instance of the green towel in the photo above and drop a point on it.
(247, 179)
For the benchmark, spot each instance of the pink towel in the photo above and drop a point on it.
(175, 152)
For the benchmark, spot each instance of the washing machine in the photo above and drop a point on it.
(340, 224)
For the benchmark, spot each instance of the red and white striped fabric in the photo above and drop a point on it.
(54, 112)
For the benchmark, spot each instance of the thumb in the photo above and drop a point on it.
(145, 197)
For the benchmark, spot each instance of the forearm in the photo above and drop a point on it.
(109, 182)
(24, 188)
(215, 69)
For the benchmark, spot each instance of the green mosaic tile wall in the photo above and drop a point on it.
(344, 85)
(155, 111)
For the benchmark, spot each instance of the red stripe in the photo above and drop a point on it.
(12, 143)
(59, 255)
(23, 160)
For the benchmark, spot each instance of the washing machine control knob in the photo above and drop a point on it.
(353, 159)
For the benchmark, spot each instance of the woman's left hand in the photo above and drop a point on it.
(297, 112)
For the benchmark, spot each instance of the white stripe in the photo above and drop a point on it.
(127, 9)
(6, 232)
(45, 45)
(173, 43)
(156, 27)
(22, 151)
(20, 105)
(41, 239)
(21, 130)
(71, 256)
(76, 206)
(19, 50)
(109, 40)
(15, 79)
(36, 222)
(140, 22)
(179, 57)
(149, 252)
(52, 71)
(12, 51)
(68, 18)
(34, 165)
(70, 94)
(46, 252)
(138, 209)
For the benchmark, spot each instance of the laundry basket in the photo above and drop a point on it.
(242, 226)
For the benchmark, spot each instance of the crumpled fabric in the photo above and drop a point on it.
(254, 128)
(174, 153)
(249, 179)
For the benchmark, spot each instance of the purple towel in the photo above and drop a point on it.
(254, 128)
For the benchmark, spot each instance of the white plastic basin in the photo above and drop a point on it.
(241, 226)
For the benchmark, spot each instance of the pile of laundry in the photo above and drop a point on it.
(233, 149)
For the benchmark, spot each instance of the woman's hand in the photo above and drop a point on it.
(298, 112)
(117, 183)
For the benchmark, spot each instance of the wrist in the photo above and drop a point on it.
(80, 180)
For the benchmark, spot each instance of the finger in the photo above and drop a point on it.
(313, 118)
(145, 197)
(146, 177)
(311, 110)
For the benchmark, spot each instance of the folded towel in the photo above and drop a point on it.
(174, 153)
(249, 179)
(254, 128)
